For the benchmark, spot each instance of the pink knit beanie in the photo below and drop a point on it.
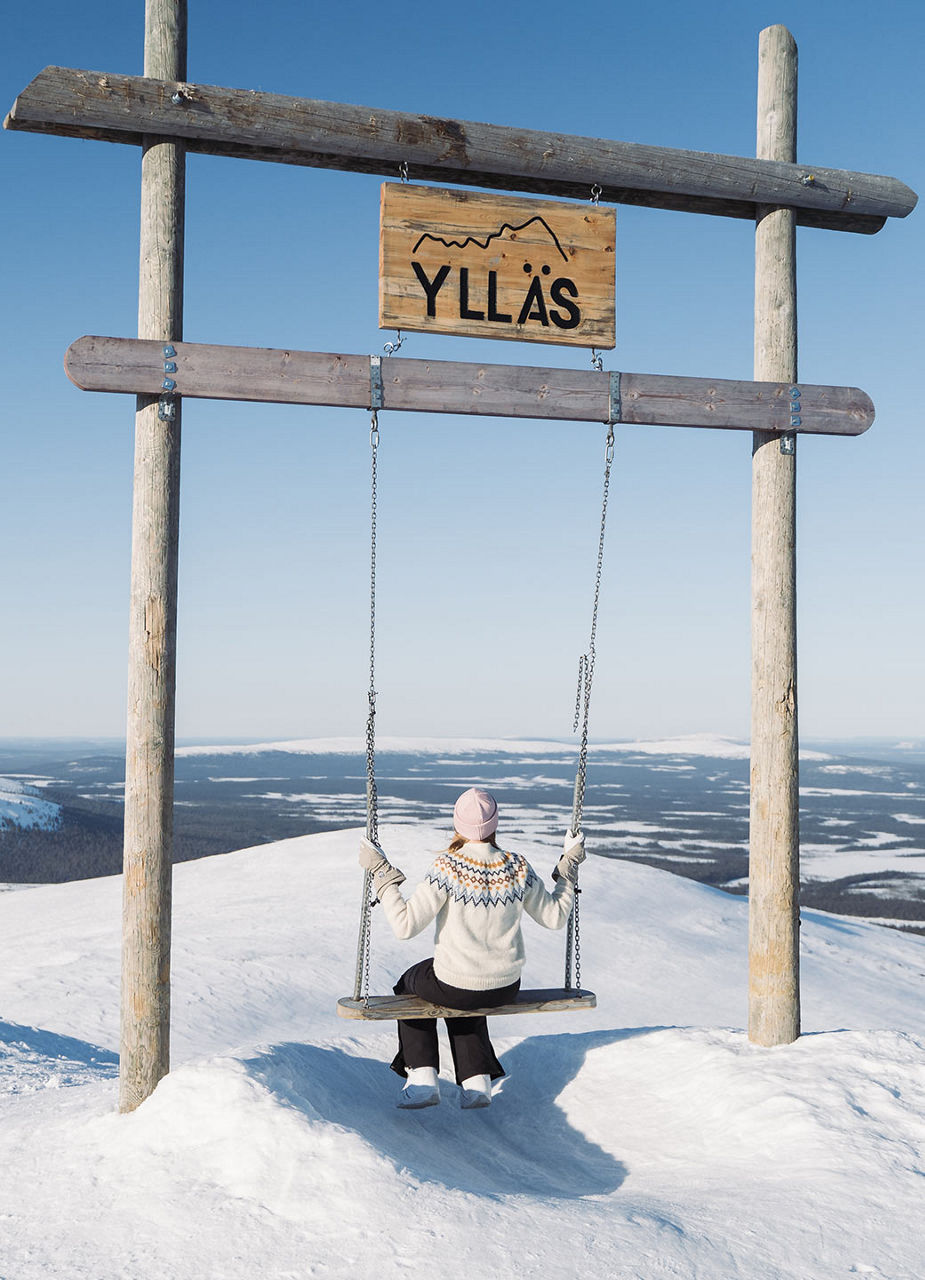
(476, 814)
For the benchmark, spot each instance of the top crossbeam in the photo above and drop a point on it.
(331, 135)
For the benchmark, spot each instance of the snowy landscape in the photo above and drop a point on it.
(645, 1139)
(680, 804)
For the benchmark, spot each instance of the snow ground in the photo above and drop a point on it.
(645, 1139)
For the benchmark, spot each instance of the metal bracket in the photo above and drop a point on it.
(170, 366)
(788, 440)
(375, 382)
(615, 405)
(795, 410)
(167, 409)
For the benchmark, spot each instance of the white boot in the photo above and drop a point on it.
(420, 1090)
(476, 1092)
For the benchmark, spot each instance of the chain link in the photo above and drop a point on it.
(576, 928)
(587, 662)
(361, 982)
(583, 714)
(581, 684)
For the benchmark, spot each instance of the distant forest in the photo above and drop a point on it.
(88, 843)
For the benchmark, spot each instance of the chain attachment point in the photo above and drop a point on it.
(596, 192)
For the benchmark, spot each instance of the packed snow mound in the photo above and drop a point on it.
(645, 1138)
(22, 806)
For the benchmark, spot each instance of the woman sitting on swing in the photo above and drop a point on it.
(477, 894)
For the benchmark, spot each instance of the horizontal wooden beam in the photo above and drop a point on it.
(440, 386)
(303, 131)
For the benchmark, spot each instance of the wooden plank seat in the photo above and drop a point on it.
(386, 1008)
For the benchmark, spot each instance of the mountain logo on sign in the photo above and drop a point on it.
(565, 314)
(495, 235)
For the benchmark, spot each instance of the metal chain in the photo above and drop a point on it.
(361, 980)
(583, 712)
(372, 795)
(577, 931)
(588, 659)
(581, 684)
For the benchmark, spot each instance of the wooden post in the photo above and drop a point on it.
(774, 993)
(145, 1018)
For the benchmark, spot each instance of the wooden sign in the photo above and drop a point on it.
(146, 367)
(486, 266)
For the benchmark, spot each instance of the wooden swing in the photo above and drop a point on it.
(568, 998)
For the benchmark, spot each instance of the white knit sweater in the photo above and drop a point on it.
(477, 896)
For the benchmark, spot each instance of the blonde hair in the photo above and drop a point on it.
(458, 841)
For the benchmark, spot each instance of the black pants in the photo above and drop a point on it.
(469, 1040)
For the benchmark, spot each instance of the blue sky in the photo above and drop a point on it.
(487, 527)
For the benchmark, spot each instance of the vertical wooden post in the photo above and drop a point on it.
(145, 1017)
(774, 990)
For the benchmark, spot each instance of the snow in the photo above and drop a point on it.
(644, 1139)
(693, 745)
(21, 806)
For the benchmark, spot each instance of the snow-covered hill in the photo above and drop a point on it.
(22, 806)
(645, 1139)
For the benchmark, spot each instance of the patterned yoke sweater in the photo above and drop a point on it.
(477, 896)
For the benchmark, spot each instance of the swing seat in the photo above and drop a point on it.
(388, 1008)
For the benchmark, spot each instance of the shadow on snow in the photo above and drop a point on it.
(31, 1058)
(523, 1144)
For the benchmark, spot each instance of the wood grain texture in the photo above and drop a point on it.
(144, 1054)
(774, 843)
(493, 266)
(443, 386)
(393, 1008)
(264, 126)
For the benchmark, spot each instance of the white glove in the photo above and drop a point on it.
(573, 855)
(371, 856)
(373, 859)
(574, 846)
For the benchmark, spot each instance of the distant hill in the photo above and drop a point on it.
(24, 807)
